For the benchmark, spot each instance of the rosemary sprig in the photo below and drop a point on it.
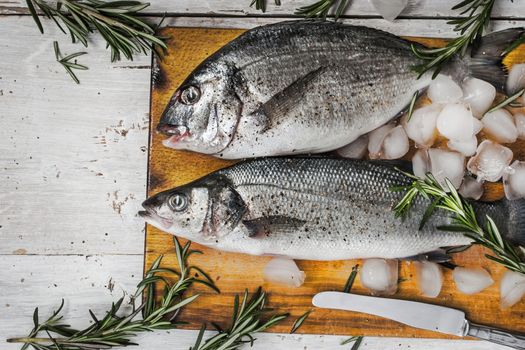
(463, 220)
(508, 101)
(125, 33)
(300, 320)
(348, 286)
(246, 320)
(356, 340)
(321, 9)
(470, 29)
(115, 330)
(351, 279)
(261, 4)
(66, 62)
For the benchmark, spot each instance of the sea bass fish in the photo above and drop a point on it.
(304, 87)
(311, 208)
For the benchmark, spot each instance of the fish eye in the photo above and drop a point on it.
(190, 95)
(178, 202)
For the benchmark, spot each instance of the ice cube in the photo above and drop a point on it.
(514, 180)
(471, 188)
(389, 9)
(490, 161)
(479, 95)
(421, 128)
(516, 78)
(356, 149)
(456, 122)
(519, 120)
(499, 126)
(447, 165)
(421, 163)
(376, 138)
(467, 148)
(444, 90)
(395, 144)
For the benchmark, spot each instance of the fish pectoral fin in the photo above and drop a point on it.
(264, 226)
(437, 256)
(283, 101)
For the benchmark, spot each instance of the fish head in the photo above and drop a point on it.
(203, 113)
(203, 211)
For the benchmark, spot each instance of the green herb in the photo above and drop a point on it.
(261, 4)
(350, 282)
(412, 104)
(246, 320)
(356, 340)
(117, 21)
(464, 219)
(507, 101)
(348, 286)
(115, 330)
(321, 8)
(470, 29)
(66, 62)
(298, 323)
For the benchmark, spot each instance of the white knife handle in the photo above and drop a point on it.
(498, 336)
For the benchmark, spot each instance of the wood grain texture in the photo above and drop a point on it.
(73, 157)
(361, 8)
(234, 272)
(39, 263)
(93, 282)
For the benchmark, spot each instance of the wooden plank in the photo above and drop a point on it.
(73, 157)
(416, 8)
(188, 47)
(436, 28)
(30, 281)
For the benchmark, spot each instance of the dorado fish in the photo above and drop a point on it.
(312, 208)
(306, 87)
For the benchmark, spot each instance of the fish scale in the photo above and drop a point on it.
(306, 87)
(317, 209)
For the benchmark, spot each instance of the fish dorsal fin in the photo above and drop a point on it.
(225, 211)
(283, 101)
(264, 226)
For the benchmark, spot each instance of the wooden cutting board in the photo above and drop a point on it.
(235, 272)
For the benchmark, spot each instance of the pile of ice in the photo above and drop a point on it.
(447, 134)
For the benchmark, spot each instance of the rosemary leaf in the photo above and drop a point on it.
(246, 321)
(261, 4)
(321, 9)
(412, 104)
(65, 62)
(115, 330)
(356, 340)
(470, 29)
(118, 22)
(350, 282)
(464, 219)
(299, 322)
(507, 101)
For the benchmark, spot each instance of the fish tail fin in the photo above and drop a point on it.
(486, 61)
(516, 224)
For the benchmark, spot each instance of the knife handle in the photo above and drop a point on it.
(498, 336)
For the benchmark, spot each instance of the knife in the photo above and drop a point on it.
(419, 315)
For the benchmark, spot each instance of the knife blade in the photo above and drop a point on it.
(419, 315)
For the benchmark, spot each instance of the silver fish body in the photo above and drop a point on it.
(304, 87)
(291, 88)
(309, 208)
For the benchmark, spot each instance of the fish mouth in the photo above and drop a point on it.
(151, 217)
(176, 134)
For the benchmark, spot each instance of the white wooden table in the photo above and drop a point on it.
(73, 163)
